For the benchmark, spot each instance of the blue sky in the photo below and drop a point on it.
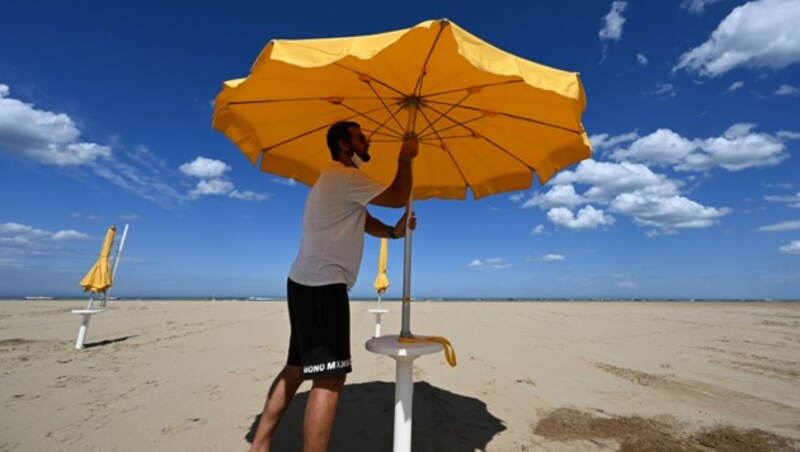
(693, 190)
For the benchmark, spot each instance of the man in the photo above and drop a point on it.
(326, 266)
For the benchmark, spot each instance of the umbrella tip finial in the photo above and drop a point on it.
(444, 21)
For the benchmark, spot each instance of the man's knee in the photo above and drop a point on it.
(332, 383)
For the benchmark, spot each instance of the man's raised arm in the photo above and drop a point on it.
(398, 193)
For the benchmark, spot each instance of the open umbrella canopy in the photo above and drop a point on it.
(98, 278)
(382, 281)
(486, 119)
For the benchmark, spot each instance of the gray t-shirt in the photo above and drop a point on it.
(333, 227)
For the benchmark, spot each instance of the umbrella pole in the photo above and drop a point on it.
(405, 330)
(116, 263)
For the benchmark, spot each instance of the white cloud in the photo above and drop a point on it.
(609, 179)
(696, 6)
(141, 174)
(740, 148)
(641, 59)
(44, 136)
(70, 234)
(613, 22)
(605, 141)
(783, 226)
(629, 189)
(662, 147)
(517, 197)
(88, 216)
(792, 247)
(54, 139)
(663, 91)
(248, 195)
(211, 187)
(212, 182)
(204, 168)
(737, 149)
(20, 233)
(559, 195)
(283, 181)
(758, 34)
(16, 235)
(627, 285)
(538, 230)
(791, 200)
(586, 218)
(547, 258)
(649, 207)
(493, 263)
(735, 86)
(787, 90)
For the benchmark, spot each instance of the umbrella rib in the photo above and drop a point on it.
(364, 115)
(447, 150)
(506, 151)
(374, 91)
(301, 99)
(309, 132)
(508, 115)
(289, 140)
(456, 123)
(442, 115)
(475, 87)
(418, 87)
(381, 126)
(379, 81)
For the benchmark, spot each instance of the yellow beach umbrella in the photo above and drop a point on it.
(382, 281)
(486, 119)
(98, 278)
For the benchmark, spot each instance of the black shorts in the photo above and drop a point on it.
(320, 339)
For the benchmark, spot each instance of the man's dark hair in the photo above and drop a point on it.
(339, 131)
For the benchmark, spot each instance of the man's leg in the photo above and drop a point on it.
(321, 412)
(280, 394)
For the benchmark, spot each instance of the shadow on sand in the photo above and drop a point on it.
(108, 341)
(443, 421)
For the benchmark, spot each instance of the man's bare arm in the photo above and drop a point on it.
(398, 193)
(377, 228)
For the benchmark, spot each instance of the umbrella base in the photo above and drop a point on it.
(378, 313)
(87, 315)
(404, 354)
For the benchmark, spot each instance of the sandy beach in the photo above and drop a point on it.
(554, 376)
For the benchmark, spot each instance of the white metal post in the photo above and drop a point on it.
(82, 331)
(116, 264)
(405, 330)
(403, 403)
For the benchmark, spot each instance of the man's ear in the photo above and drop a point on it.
(344, 146)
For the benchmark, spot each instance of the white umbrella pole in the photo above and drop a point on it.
(403, 403)
(405, 330)
(116, 264)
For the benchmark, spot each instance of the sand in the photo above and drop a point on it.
(554, 376)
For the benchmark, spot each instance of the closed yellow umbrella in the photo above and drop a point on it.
(98, 278)
(382, 281)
